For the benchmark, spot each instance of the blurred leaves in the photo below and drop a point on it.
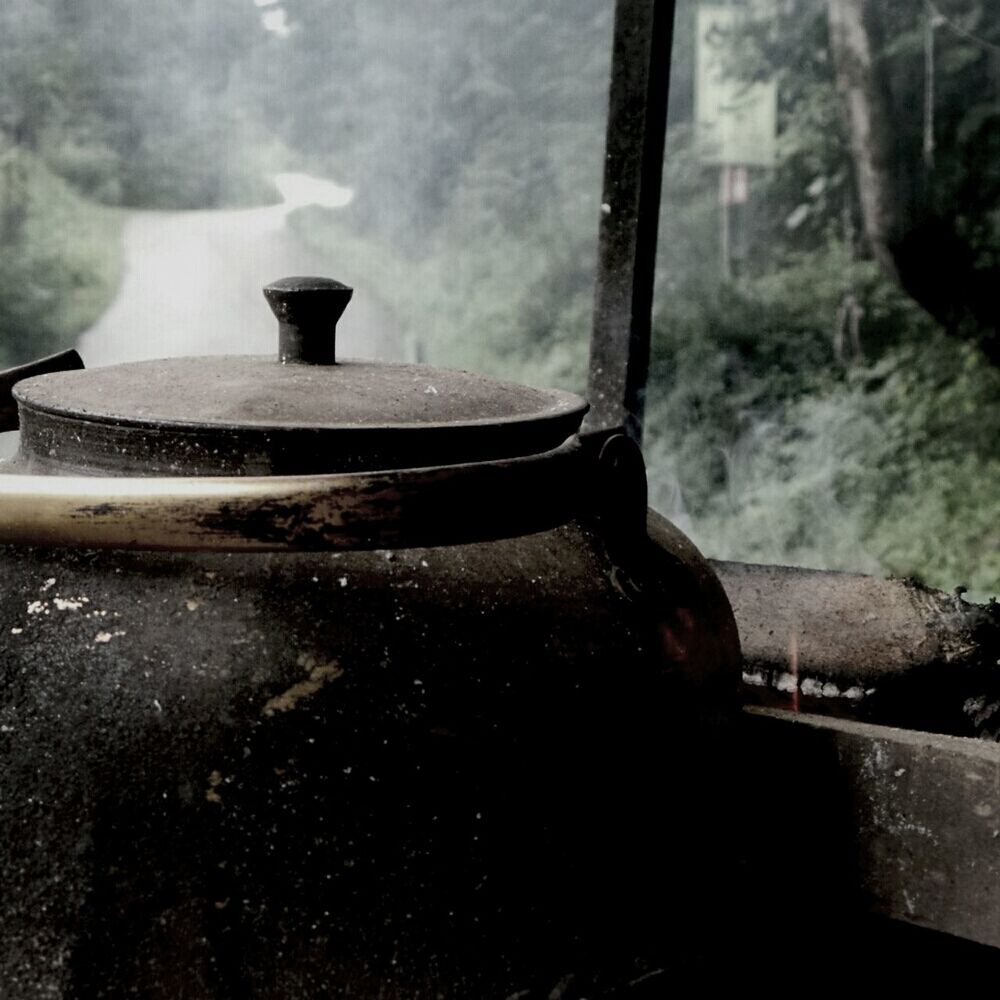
(60, 269)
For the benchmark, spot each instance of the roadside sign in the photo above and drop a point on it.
(734, 186)
(735, 119)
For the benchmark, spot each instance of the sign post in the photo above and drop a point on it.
(735, 119)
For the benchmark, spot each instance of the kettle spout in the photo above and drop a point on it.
(65, 361)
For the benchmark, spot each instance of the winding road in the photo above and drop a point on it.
(192, 283)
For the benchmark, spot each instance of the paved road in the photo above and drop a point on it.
(192, 283)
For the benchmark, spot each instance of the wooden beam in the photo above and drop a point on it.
(886, 651)
(885, 821)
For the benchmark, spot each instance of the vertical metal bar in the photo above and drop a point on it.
(633, 168)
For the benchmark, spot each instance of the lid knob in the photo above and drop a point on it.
(307, 310)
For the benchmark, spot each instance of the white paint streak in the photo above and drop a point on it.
(318, 675)
(69, 603)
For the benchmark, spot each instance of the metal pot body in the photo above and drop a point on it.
(464, 771)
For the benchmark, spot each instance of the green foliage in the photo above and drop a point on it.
(424, 107)
(60, 269)
(938, 463)
(514, 309)
(892, 466)
(134, 104)
(477, 169)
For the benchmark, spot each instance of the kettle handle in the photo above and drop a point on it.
(445, 505)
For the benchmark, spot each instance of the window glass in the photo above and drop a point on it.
(824, 379)
(825, 387)
(161, 162)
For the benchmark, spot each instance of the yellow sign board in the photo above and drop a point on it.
(735, 120)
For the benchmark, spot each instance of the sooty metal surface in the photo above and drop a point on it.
(252, 415)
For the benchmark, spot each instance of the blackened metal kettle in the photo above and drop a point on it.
(324, 678)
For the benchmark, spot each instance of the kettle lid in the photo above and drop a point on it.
(302, 412)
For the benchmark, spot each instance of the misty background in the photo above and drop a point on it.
(825, 385)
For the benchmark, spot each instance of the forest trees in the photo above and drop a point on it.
(773, 444)
(920, 96)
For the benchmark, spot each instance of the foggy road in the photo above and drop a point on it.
(191, 285)
(192, 282)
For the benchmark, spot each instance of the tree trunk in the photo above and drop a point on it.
(864, 90)
(915, 241)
